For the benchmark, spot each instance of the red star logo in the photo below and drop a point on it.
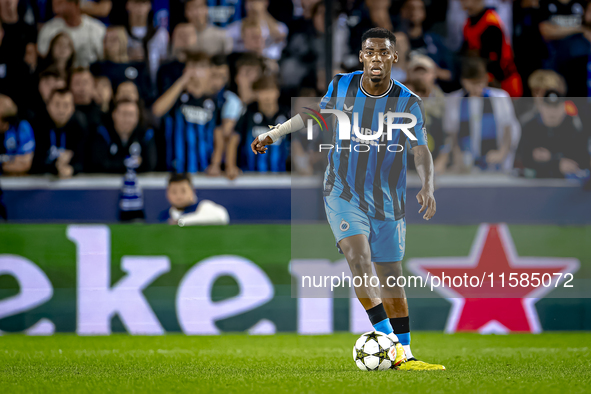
(488, 306)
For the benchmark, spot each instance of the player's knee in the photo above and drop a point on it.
(390, 269)
(359, 263)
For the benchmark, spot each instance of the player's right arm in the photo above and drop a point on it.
(294, 124)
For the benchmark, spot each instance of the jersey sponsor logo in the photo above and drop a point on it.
(196, 115)
(344, 226)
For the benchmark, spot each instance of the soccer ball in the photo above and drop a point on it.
(374, 351)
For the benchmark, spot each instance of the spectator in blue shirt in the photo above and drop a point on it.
(16, 152)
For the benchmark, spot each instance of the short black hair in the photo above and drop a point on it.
(378, 32)
(60, 92)
(473, 68)
(176, 177)
(219, 60)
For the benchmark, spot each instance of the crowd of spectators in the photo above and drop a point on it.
(185, 87)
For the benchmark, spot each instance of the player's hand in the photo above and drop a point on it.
(427, 201)
(260, 146)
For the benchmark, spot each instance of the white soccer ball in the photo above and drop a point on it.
(374, 351)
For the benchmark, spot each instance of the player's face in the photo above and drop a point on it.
(377, 56)
(82, 88)
(180, 194)
(126, 118)
(61, 108)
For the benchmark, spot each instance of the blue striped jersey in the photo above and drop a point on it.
(250, 126)
(224, 12)
(373, 177)
(189, 128)
(19, 139)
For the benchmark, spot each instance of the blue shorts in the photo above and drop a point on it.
(386, 237)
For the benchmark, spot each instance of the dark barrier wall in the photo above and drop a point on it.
(460, 200)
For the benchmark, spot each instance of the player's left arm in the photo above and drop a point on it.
(423, 163)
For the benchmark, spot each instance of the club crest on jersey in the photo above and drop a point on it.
(344, 226)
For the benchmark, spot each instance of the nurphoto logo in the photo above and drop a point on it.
(364, 136)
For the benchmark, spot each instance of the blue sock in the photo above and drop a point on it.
(404, 338)
(384, 326)
(379, 320)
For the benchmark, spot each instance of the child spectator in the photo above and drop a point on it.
(480, 123)
(184, 209)
(248, 69)
(211, 39)
(484, 37)
(225, 139)
(117, 67)
(61, 138)
(273, 33)
(541, 81)
(261, 114)
(86, 32)
(146, 43)
(124, 137)
(16, 151)
(191, 114)
(61, 55)
(554, 143)
(421, 78)
(83, 89)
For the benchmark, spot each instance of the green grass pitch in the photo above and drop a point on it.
(545, 363)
